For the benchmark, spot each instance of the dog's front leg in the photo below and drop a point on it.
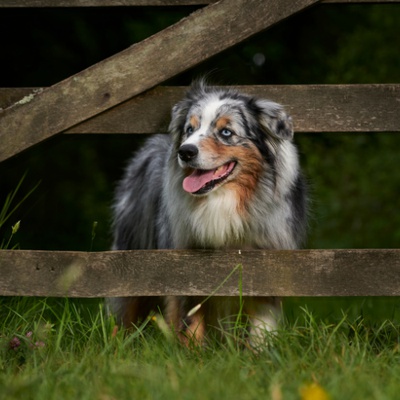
(188, 323)
(265, 314)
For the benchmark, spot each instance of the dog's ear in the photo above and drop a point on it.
(274, 120)
(178, 117)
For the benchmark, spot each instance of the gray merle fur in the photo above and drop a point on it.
(152, 211)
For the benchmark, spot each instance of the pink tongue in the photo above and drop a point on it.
(199, 178)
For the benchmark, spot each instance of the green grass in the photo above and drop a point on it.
(66, 349)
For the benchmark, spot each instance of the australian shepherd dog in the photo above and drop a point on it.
(226, 176)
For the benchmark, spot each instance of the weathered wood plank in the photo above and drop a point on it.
(203, 34)
(195, 273)
(314, 108)
(10, 96)
(119, 3)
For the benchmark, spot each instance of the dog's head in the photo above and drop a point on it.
(224, 138)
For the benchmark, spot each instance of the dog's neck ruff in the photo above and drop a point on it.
(210, 221)
(214, 221)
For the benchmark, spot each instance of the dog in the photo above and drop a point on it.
(226, 176)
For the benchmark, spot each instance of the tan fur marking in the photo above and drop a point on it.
(191, 335)
(250, 167)
(245, 182)
(222, 123)
(211, 146)
(194, 121)
(194, 334)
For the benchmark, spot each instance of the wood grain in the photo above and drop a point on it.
(314, 108)
(119, 3)
(171, 272)
(196, 38)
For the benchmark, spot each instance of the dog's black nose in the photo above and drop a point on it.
(187, 152)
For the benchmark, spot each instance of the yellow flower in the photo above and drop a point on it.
(313, 391)
(276, 392)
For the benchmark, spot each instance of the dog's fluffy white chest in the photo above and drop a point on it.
(209, 222)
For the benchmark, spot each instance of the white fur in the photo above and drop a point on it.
(289, 164)
(264, 322)
(207, 116)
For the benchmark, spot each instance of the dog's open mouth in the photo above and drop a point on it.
(202, 181)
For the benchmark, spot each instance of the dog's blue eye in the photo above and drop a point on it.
(226, 132)
(189, 130)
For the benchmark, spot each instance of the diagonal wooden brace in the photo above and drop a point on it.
(142, 66)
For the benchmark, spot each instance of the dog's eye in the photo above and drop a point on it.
(189, 130)
(226, 132)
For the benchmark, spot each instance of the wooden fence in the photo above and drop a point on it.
(120, 95)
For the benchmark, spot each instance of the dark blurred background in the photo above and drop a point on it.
(354, 178)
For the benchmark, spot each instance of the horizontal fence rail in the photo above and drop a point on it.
(200, 273)
(114, 3)
(314, 108)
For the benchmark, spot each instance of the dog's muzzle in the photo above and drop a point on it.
(188, 152)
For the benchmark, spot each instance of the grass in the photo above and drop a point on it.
(66, 349)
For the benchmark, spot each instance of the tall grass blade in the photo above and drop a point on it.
(8, 210)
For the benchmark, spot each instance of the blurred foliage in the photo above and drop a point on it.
(354, 178)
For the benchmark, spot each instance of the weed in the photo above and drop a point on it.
(9, 208)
